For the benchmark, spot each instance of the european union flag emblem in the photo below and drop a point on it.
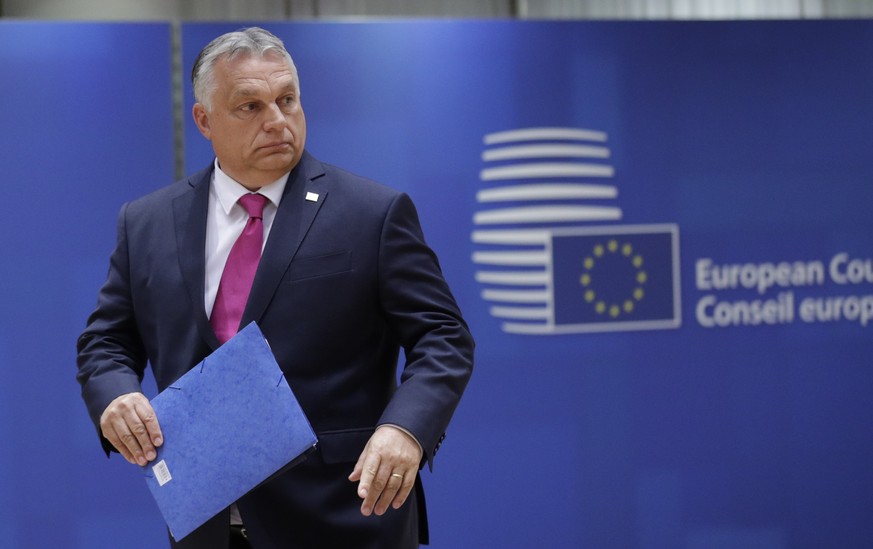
(616, 278)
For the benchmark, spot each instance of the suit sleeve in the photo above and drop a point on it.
(111, 358)
(423, 313)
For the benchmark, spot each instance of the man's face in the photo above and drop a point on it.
(256, 124)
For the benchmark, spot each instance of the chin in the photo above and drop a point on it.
(279, 163)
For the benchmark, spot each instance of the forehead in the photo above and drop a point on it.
(246, 74)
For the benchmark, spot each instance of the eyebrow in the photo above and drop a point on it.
(247, 92)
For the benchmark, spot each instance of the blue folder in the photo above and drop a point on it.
(230, 423)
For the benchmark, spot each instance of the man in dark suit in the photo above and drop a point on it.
(344, 281)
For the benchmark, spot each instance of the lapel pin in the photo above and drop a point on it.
(312, 197)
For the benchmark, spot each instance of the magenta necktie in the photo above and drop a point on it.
(239, 271)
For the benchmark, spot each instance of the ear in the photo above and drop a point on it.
(201, 118)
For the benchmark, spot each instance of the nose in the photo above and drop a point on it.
(274, 118)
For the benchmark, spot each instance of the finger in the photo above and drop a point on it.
(375, 489)
(392, 487)
(140, 444)
(145, 427)
(113, 437)
(147, 414)
(405, 490)
(128, 443)
(369, 468)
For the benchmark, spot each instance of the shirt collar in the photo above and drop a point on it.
(228, 191)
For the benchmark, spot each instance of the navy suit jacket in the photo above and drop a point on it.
(344, 283)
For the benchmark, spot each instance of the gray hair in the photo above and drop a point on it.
(248, 41)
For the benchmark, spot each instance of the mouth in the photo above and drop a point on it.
(276, 146)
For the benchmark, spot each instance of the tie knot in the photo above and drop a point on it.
(254, 204)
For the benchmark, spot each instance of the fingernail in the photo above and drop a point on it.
(158, 441)
(151, 455)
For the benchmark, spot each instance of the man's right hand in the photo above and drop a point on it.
(129, 423)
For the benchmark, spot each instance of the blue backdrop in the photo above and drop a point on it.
(659, 233)
(86, 118)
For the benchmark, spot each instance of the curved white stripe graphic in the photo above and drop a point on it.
(521, 313)
(528, 329)
(546, 191)
(511, 258)
(547, 214)
(515, 278)
(549, 328)
(516, 296)
(545, 151)
(519, 237)
(530, 134)
(546, 169)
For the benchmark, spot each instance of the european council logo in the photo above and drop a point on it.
(544, 270)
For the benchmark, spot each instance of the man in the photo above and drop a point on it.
(344, 281)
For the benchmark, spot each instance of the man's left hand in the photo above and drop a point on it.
(386, 469)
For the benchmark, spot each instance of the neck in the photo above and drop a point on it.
(253, 181)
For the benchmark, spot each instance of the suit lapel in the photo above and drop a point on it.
(295, 216)
(189, 215)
